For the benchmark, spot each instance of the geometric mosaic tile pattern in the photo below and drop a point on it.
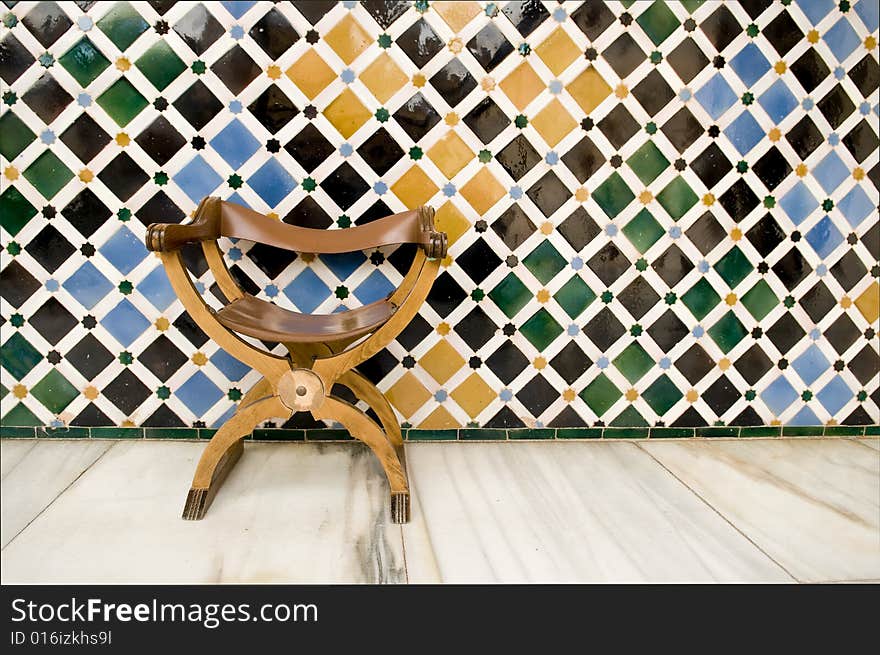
(660, 214)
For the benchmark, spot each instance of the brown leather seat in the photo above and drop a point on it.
(269, 322)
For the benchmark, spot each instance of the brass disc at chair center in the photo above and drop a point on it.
(300, 389)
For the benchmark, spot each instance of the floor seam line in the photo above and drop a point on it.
(856, 440)
(715, 509)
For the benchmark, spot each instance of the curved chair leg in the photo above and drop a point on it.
(363, 428)
(223, 452)
(367, 391)
(257, 392)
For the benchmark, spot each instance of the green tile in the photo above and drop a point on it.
(633, 362)
(700, 299)
(431, 435)
(574, 296)
(691, 5)
(19, 416)
(117, 433)
(15, 136)
(63, 433)
(482, 434)
(760, 300)
(541, 329)
(626, 433)
(662, 395)
(643, 231)
(122, 101)
(613, 195)
(844, 430)
(600, 394)
(15, 210)
(872, 430)
(278, 434)
(328, 434)
(171, 433)
(734, 267)
(511, 295)
(658, 22)
(727, 332)
(48, 174)
(677, 198)
(802, 430)
(579, 433)
(160, 65)
(207, 433)
(717, 431)
(648, 162)
(54, 391)
(18, 356)
(16, 432)
(760, 431)
(84, 62)
(531, 433)
(628, 418)
(123, 25)
(671, 433)
(544, 262)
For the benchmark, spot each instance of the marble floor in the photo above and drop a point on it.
(774, 510)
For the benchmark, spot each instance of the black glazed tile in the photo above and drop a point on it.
(85, 138)
(486, 120)
(198, 105)
(755, 8)
(859, 416)
(453, 82)
(420, 42)
(14, 58)
(608, 264)
(618, 126)
(753, 364)
(668, 331)
(161, 6)
(86, 212)
(309, 148)
(380, 151)
(604, 329)
(344, 186)
(765, 235)
(163, 417)
(548, 193)
(47, 98)
(16, 284)
(274, 33)
(721, 395)
(53, 321)
(199, 29)
(537, 395)
(810, 69)
(414, 333)
(842, 333)
(687, 60)
(89, 356)
(271, 260)
(672, 265)
(817, 302)
(478, 260)
(236, 69)
(386, 11)
(785, 333)
(160, 209)
(690, 418)
(380, 210)
(624, 55)
(445, 295)
(584, 159)
(874, 176)
(711, 165)
(123, 176)
(772, 168)
(571, 362)
(47, 22)
(160, 140)
(721, 28)
(593, 18)
(747, 417)
(836, 106)
(579, 229)
(861, 141)
(518, 157)
(126, 391)
(507, 362)
(706, 233)
(162, 358)
(638, 297)
(871, 239)
(187, 327)
(694, 364)
(513, 226)
(739, 200)
(526, 16)
(792, 268)
(804, 137)
(783, 33)
(568, 418)
(273, 109)
(682, 129)
(416, 116)
(865, 365)
(653, 93)
(50, 248)
(849, 270)
(308, 213)
(489, 47)
(476, 328)
(866, 75)
(314, 10)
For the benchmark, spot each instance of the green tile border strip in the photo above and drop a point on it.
(454, 434)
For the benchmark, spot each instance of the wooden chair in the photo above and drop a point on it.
(324, 349)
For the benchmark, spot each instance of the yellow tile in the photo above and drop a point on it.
(482, 191)
(558, 51)
(457, 14)
(450, 154)
(347, 113)
(553, 122)
(408, 394)
(522, 85)
(414, 188)
(442, 361)
(473, 395)
(589, 89)
(383, 77)
(311, 74)
(348, 38)
(450, 220)
(439, 419)
(869, 302)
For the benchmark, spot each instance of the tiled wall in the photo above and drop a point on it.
(661, 213)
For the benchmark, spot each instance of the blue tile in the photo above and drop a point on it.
(238, 200)
(88, 285)
(124, 250)
(869, 12)
(197, 179)
(805, 416)
(855, 206)
(235, 144)
(744, 133)
(199, 394)
(375, 287)
(237, 7)
(272, 182)
(798, 203)
(835, 395)
(229, 365)
(307, 291)
(778, 395)
(157, 289)
(830, 172)
(842, 39)
(224, 417)
(125, 323)
(810, 364)
(824, 237)
(750, 64)
(816, 10)
(343, 264)
(716, 96)
(778, 101)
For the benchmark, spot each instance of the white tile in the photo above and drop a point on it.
(299, 513)
(813, 505)
(565, 512)
(34, 472)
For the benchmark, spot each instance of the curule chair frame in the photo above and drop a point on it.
(322, 353)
